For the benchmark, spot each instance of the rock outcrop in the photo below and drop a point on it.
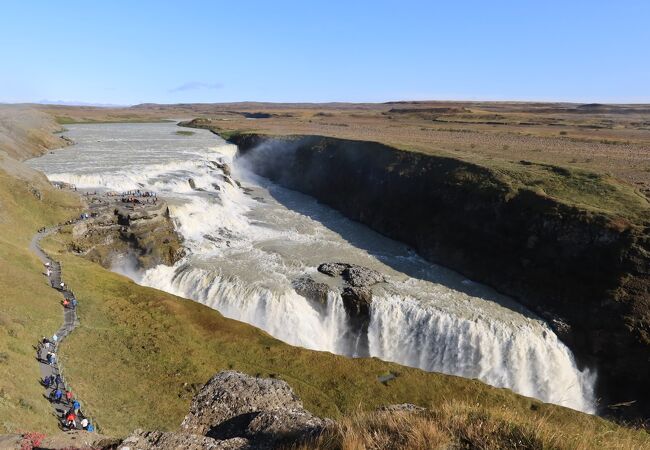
(357, 283)
(235, 411)
(146, 233)
(584, 266)
(264, 411)
(311, 289)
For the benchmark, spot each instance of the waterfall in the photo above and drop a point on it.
(246, 246)
(527, 358)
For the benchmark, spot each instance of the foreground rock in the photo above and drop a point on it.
(264, 411)
(164, 440)
(235, 411)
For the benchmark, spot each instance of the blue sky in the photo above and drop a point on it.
(127, 52)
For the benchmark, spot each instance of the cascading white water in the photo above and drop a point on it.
(525, 355)
(246, 246)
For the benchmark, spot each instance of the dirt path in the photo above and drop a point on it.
(54, 369)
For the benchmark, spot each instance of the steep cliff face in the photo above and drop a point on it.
(586, 271)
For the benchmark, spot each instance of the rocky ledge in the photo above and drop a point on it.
(144, 232)
(355, 287)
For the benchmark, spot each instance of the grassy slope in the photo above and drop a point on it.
(28, 307)
(139, 351)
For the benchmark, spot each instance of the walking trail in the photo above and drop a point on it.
(64, 406)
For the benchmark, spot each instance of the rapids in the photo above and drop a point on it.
(246, 244)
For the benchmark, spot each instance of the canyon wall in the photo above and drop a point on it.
(586, 272)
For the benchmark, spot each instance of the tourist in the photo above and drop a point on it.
(58, 379)
(55, 338)
(71, 420)
(84, 423)
(47, 381)
(68, 395)
(48, 357)
(90, 427)
(62, 285)
(58, 395)
(74, 302)
(66, 302)
(76, 406)
(52, 359)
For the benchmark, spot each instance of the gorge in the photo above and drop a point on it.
(249, 239)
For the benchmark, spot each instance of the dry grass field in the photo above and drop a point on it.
(610, 139)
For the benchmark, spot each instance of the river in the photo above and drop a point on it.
(247, 244)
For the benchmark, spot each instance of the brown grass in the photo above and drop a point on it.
(466, 426)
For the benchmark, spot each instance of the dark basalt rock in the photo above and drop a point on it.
(361, 276)
(357, 301)
(311, 289)
(355, 275)
(357, 281)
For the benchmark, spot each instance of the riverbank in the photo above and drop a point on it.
(580, 264)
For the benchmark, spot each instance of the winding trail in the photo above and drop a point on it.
(70, 321)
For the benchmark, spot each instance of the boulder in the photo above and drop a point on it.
(353, 274)
(333, 269)
(264, 411)
(362, 276)
(311, 289)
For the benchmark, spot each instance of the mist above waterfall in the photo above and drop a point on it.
(246, 245)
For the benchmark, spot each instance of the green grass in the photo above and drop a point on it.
(29, 308)
(185, 133)
(580, 188)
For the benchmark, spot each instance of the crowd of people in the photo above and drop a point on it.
(65, 403)
(139, 197)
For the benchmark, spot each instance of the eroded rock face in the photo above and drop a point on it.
(146, 233)
(264, 411)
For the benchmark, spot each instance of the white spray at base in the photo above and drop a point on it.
(245, 248)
